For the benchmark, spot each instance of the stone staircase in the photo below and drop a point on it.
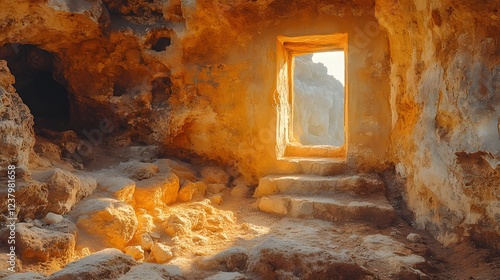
(318, 195)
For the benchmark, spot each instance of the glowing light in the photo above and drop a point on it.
(334, 62)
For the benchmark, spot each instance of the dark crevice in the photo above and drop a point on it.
(161, 44)
(39, 85)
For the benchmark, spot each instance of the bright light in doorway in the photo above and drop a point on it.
(334, 62)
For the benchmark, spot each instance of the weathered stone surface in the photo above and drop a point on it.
(16, 123)
(158, 191)
(65, 189)
(105, 264)
(161, 252)
(41, 245)
(120, 188)
(135, 251)
(153, 272)
(274, 258)
(445, 114)
(111, 220)
(232, 259)
(192, 191)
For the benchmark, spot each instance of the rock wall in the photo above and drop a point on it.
(199, 78)
(445, 96)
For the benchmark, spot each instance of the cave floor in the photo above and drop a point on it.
(385, 252)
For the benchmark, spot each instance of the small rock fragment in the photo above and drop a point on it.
(52, 218)
(135, 251)
(161, 253)
(415, 238)
(146, 242)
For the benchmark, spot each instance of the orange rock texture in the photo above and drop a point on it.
(199, 79)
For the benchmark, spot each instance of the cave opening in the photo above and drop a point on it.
(39, 84)
(318, 98)
(161, 44)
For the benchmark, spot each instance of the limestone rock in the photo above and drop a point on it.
(232, 259)
(161, 252)
(214, 175)
(146, 242)
(52, 218)
(65, 189)
(192, 191)
(156, 192)
(16, 123)
(153, 272)
(111, 220)
(401, 259)
(31, 199)
(274, 257)
(135, 251)
(273, 205)
(145, 225)
(105, 264)
(41, 245)
(120, 188)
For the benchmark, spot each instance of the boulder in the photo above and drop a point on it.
(113, 221)
(65, 189)
(40, 245)
(156, 192)
(105, 264)
(119, 188)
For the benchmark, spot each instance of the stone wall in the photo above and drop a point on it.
(445, 94)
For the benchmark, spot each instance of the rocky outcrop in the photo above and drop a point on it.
(444, 99)
(16, 123)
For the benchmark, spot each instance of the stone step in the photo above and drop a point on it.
(339, 209)
(356, 185)
(308, 165)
